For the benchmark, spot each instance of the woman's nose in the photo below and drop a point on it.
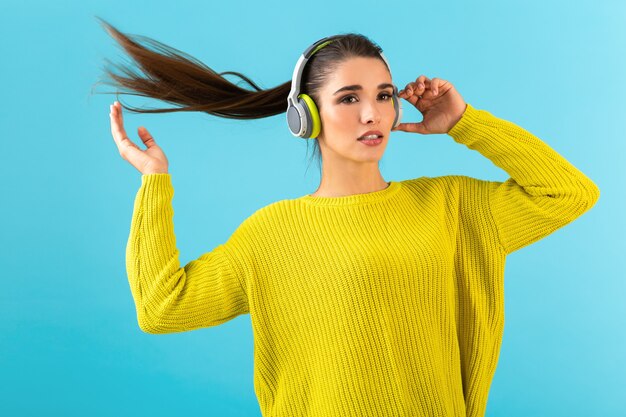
(371, 112)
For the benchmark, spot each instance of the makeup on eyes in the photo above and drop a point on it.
(342, 100)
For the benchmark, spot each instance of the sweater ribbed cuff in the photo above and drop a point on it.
(159, 178)
(463, 131)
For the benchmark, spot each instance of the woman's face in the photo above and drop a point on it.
(347, 114)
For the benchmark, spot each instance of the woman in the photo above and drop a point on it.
(367, 297)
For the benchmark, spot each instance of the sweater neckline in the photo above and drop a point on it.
(354, 199)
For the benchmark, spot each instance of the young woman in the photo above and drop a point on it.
(367, 297)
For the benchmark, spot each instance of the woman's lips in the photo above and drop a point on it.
(371, 142)
(371, 132)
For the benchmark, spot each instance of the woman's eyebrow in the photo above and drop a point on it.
(356, 87)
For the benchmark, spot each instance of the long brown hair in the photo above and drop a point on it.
(175, 77)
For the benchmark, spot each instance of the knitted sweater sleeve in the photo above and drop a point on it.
(544, 191)
(169, 298)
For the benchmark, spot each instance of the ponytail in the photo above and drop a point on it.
(175, 77)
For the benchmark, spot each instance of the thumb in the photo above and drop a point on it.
(413, 128)
(146, 137)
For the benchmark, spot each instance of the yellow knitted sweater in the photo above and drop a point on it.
(388, 303)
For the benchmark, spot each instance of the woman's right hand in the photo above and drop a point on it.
(150, 161)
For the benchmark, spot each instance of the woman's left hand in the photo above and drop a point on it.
(438, 101)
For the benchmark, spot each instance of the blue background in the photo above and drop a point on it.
(70, 344)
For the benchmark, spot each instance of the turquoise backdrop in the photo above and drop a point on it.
(70, 343)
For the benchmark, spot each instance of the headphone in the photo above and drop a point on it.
(302, 115)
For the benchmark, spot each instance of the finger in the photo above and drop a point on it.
(410, 84)
(408, 90)
(127, 149)
(117, 106)
(417, 87)
(405, 91)
(412, 127)
(434, 86)
(411, 91)
(422, 82)
(120, 132)
(146, 137)
(410, 96)
(114, 128)
(117, 126)
(422, 79)
(428, 88)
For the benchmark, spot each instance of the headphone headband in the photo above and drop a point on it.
(296, 78)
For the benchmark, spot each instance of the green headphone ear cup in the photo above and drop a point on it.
(314, 121)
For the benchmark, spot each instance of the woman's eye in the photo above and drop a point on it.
(344, 100)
